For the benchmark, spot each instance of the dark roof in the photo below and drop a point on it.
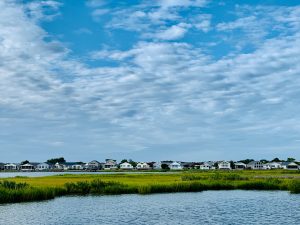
(253, 162)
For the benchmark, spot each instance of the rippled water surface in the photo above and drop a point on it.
(209, 207)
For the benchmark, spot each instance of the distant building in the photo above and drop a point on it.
(11, 166)
(207, 166)
(157, 166)
(143, 166)
(44, 166)
(93, 165)
(126, 166)
(255, 165)
(290, 166)
(28, 167)
(2, 166)
(110, 164)
(175, 166)
(240, 166)
(224, 165)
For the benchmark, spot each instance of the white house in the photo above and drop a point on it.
(175, 166)
(11, 166)
(126, 166)
(224, 165)
(28, 167)
(60, 166)
(76, 166)
(240, 166)
(110, 164)
(290, 166)
(43, 166)
(143, 166)
(272, 165)
(157, 165)
(207, 166)
(255, 165)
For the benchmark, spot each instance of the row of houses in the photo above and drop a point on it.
(111, 164)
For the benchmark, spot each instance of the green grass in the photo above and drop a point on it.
(22, 189)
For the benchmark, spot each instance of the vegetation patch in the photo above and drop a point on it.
(23, 189)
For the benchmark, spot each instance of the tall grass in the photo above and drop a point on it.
(11, 191)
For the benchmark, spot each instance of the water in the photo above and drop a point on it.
(44, 174)
(208, 207)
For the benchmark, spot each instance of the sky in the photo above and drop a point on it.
(188, 80)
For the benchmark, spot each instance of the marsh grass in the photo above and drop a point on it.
(44, 188)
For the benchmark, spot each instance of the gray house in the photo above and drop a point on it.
(11, 166)
(290, 166)
(93, 165)
(31, 166)
(2, 166)
(255, 165)
(44, 166)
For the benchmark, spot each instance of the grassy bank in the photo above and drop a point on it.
(22, 189)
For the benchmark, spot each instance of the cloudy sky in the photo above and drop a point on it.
(148, 80)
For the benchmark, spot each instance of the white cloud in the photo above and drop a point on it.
(157, 91)
(95, 3)
(172, 33)
(182, 3)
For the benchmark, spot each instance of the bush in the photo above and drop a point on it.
(294, 186)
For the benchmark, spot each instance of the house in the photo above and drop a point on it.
(290, 166)
(175, 166)
(28, 167)
(142, 166)
(207, 166)
(74, 165)
(157, 166)
(11, 166)
(224, 165)
(110, 164)
(187, 165)
(126, 166)
(59, 166)
(272, 165)
(275, 165)
(93, 165)
(255, 165)
(43, 166)
(2, 166)
(240, 166)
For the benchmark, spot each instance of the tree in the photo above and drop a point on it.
(290, 159)
(264, 161)
(124, 160)
(133, 163)
(276, 160)
(56, 160)
(24, 162)
(165, 166)
(216, 165)
(232, 166)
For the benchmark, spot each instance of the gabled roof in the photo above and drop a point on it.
(253, 162)
(94, 161)
(288, 163)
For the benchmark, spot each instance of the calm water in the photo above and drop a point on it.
(43, 174)
(209, 207)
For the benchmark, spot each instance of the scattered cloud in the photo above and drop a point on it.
(160, 92)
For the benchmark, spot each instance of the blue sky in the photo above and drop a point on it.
(185, 80)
